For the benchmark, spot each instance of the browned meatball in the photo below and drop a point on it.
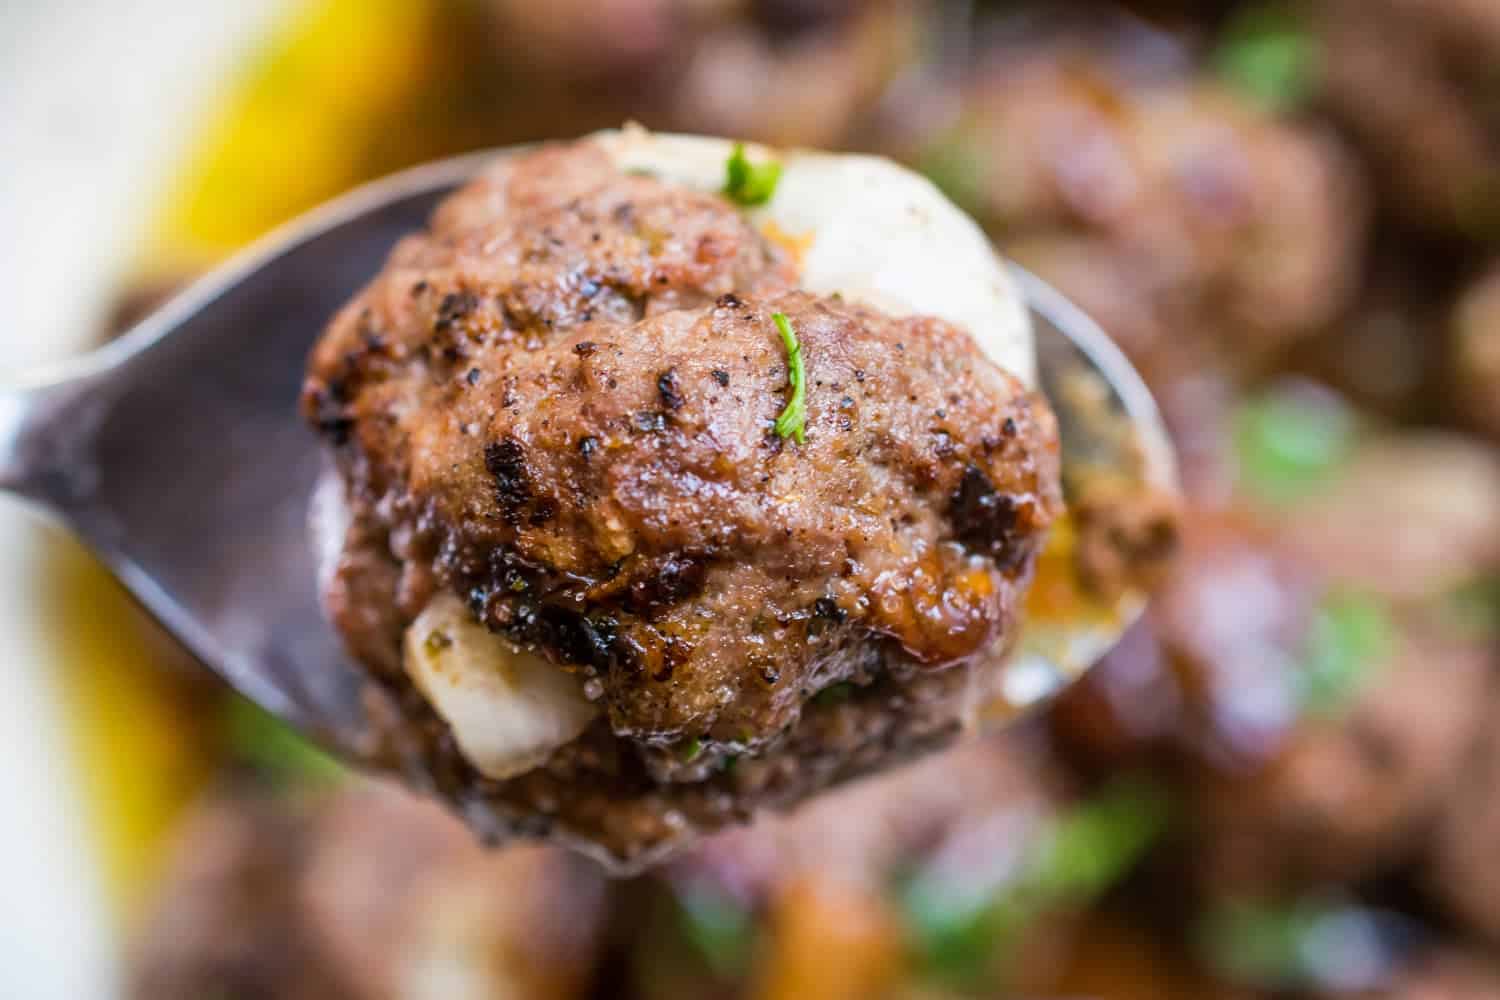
(1317, 729)
(790, 72)
(364, 893)
(1414, 81)
(558, 405)
(1193, 225)
(1351, 795)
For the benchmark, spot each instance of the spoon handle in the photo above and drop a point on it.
(24, 443)
(48, 425)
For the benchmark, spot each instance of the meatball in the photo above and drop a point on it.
(554, 417)
(791, 72)
(1350, 796)
(1316, 726)
(1413, 80)
(365, 893)
(1194, 226)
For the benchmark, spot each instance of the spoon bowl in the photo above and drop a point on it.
(177, 453)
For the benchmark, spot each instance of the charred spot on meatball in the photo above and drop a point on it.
(593, 495)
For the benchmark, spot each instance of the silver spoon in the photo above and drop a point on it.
(178, 455)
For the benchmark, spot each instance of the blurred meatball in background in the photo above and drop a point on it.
(791, 72)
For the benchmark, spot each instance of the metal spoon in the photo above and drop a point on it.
(177, 454)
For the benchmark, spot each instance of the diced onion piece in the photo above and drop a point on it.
(508, 709)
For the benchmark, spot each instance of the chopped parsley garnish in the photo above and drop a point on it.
(747, 183)
(793, 419)
(1351, 636)
(691, 750)
(1291, 440)
(1268, 54)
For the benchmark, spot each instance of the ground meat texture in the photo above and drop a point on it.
(558, 404)
(711, 572)
(1126, 537)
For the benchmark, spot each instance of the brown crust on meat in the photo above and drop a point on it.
(559, 404)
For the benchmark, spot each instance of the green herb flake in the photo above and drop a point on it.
(793, 419)
(747, 183)
(1351, 637)
(1268, 54)
(691, 750)
(1291, 440)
